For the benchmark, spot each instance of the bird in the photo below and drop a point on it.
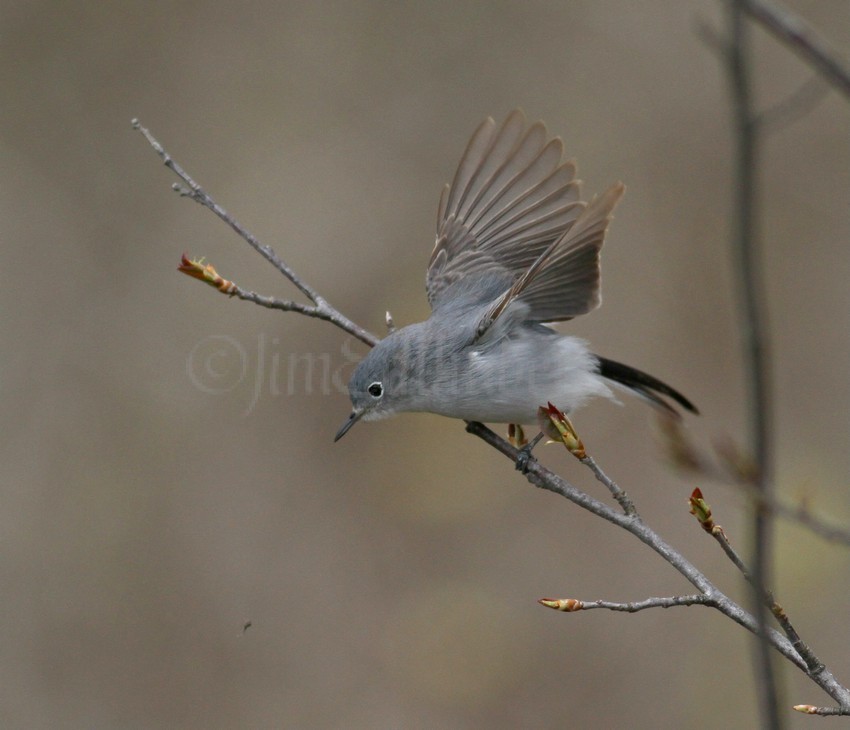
(516, 250)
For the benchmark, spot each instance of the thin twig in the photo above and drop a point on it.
(814, 664)
(702, 511)
(539, 476)
(571, 605)
(323, 309)
(284, 305)
(623, 499)
(800, 38)
(822, 711)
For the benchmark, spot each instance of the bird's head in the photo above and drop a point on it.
(377, 386)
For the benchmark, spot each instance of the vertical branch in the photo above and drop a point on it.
(754, 333)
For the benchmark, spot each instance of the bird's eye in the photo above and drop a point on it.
(376, 390)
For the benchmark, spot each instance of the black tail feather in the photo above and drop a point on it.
(644, 385)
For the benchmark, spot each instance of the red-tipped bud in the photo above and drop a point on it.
(562, 604)
(197, 269)
(555, 424)
(546, 425)
(701, 510)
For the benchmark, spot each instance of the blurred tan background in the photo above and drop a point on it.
(168, 471)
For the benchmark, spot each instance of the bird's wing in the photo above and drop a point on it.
(512, 202)
(565, 277)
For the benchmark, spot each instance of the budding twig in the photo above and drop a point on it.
(555, 424)
(571, 605)
(701, 510)
(197, 269)
(321, 310)
(822, 711)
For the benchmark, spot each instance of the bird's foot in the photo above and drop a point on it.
(524, 456)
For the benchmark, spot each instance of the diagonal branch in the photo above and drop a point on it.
(571, 605)
(800, 38)
(701, 510)
(541, 477)
(322, 310)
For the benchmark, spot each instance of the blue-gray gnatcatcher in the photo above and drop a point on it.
(516, 248)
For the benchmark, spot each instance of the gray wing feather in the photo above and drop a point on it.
(564, 281)
(504, 148)
(511, 201)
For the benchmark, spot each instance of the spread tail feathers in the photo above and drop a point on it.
(644, 385)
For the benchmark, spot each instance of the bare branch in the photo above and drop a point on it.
(322, 310)
(570, 605)
(285, 305)
(823, 711)
(800, 38)
(623, 499)
(702, 511)
(200, 196)
(197, 269)
(541, 477)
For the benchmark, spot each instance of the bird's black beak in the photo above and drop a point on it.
(352, 419)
